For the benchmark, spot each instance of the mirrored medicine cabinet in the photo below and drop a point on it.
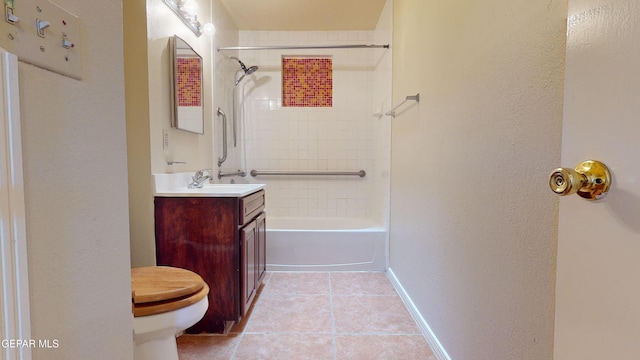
(187, 105)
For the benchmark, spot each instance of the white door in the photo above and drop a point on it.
(598, 274)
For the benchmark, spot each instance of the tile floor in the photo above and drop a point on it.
(318, 315)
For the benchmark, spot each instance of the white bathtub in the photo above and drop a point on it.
(320, 244)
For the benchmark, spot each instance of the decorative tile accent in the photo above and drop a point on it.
(189, 81)
(307, 81)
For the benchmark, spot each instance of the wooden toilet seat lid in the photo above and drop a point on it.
(163, 283)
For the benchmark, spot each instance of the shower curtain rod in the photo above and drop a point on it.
(294, 47)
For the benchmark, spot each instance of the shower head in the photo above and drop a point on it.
(247, 71)
(251, 70)
(244, 68)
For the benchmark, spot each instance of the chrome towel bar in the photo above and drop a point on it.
(415, 98)
(360, 173)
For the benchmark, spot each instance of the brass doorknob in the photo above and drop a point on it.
(591, 180)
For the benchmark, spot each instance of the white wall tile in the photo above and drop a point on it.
(344, 137)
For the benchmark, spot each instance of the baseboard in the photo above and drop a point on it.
(432, 340)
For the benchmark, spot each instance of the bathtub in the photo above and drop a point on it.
(321, 244)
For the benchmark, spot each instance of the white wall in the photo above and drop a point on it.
(194, 149)
(473, 223)
(75, 170)
(340, 137)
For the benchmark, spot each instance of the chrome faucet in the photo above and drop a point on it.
(200, 178)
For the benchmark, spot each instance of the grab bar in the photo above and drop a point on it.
(224, 137)
(237, 173)
(360, 173)
(415, 98)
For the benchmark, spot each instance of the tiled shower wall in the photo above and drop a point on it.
(347, 136)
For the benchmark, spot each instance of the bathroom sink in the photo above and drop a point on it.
(166, 185)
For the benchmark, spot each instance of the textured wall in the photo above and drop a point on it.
(473, 223)
(75, 170)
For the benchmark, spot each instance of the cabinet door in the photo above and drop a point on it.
(248, 265)
(201, 235)
(261, 258)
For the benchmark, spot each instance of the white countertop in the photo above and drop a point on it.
(176, 185)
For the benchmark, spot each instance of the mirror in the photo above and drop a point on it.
(186, 87)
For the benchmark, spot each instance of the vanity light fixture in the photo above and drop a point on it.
(190, 6)
(209, 29)
(187, 12)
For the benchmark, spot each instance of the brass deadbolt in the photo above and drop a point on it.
(591, 180)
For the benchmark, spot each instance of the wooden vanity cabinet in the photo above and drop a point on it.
(223, 239)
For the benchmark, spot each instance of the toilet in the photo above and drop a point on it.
(166, 301)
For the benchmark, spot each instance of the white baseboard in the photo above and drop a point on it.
(432, 340)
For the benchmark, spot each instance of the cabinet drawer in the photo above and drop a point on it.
(250, 206)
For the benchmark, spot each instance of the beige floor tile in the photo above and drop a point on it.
(372, 314)
(285, 347)
(318, 315)
(361, 283)
(303, 283)
(291, 313)
(199, 347)
(391, 347)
